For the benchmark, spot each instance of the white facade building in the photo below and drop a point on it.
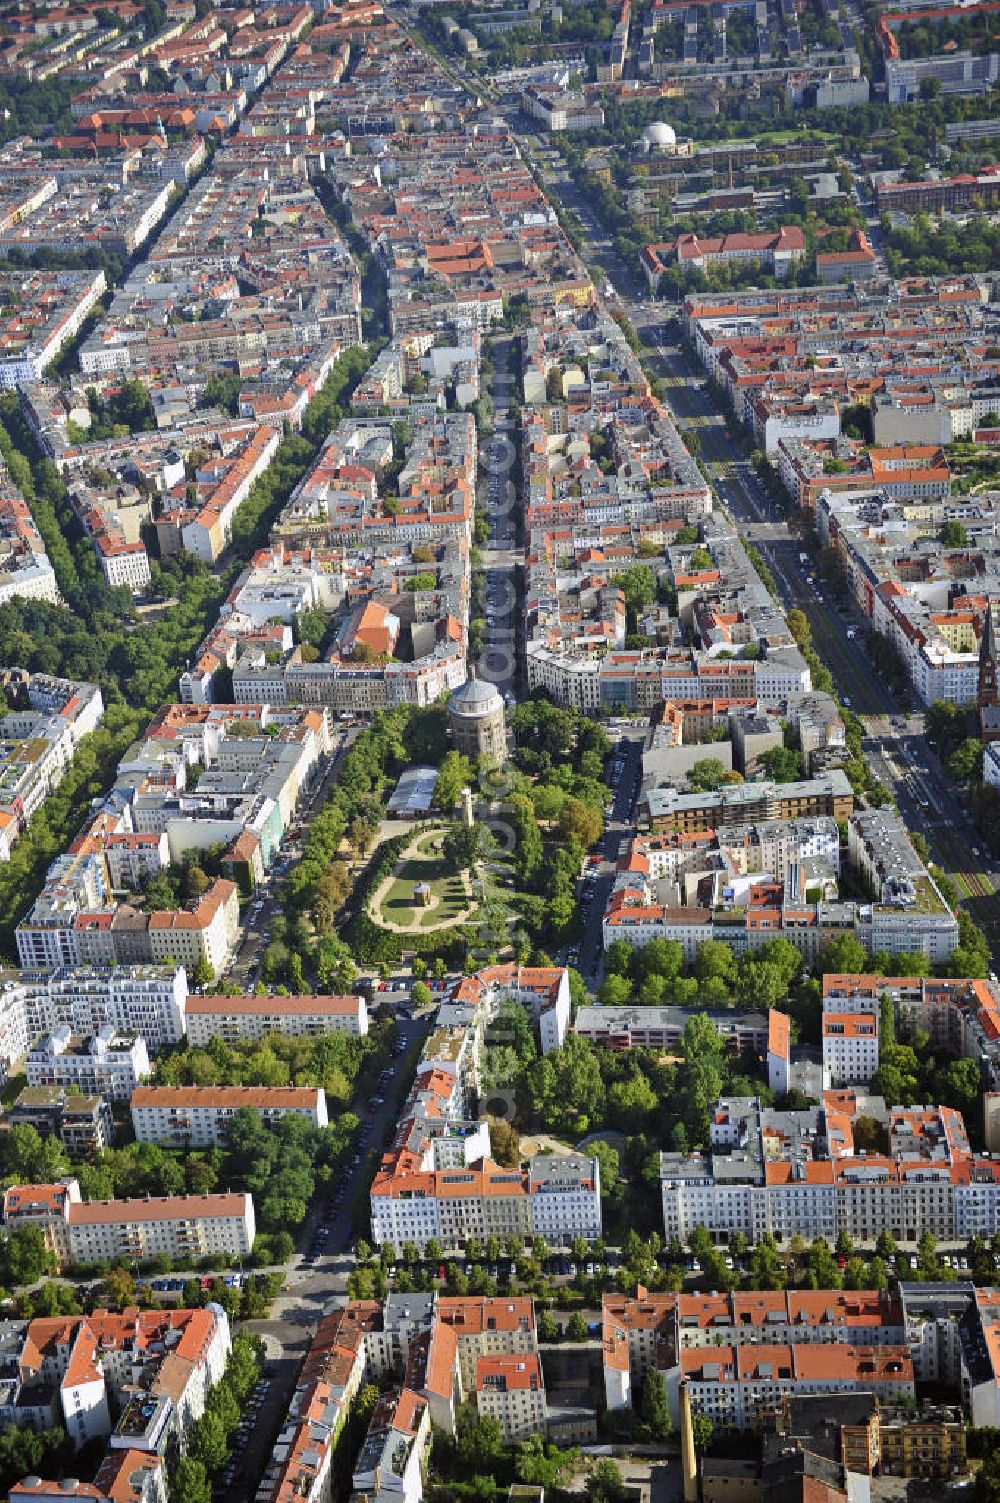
(199, 1116)
(107, 1063)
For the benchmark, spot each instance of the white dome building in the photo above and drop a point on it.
(659, 137)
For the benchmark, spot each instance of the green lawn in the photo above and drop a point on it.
(446, 887)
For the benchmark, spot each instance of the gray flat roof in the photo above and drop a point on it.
(414, 791)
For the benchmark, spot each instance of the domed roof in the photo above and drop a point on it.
(474, 697)
(660, 134)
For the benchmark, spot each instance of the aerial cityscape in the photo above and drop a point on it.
(499, 751)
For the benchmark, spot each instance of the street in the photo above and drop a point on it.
(625, 773)
(497, 496)
(894, 743)
(266, 903)
(315, 1283)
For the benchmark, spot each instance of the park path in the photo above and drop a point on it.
(379, 915)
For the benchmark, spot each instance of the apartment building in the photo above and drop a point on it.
(60, 931)
(828, 796)
(850, 1047)
(511, 1391)
(437, 1178)
(123, 1477)
(741, 1355)
(106, 1063)
(47, 310)
(394, 1452)
(100, 1231)
(143, 999)
(83, 1124)
(565, 1197)
(777, 252)
(336, 1364)
(961, 1017)
(663, 1027)
(792, 365)
(199, 1116)
(542, 990)
(39, 734)
(253, 1018)
(99, 1365)
(719, 891)
(734, 1387)
(128, 999)
(25, 570)
(425, 1351)
(481, 1199)
(799, 1174)
(930, 602)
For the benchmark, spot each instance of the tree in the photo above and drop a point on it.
(927, 1258)
(547, 1329)
(781, 763)
(202, 975)
(715, 960)
(966, 762)
(24, 1257)
(870, 1135)
(958, 1084)
(638, 585)
(420, 994)
(843, 955)
(454, 774)
(579, 821)
(953, 535)
(822, 1270)
(567, 1086)
(605, 1483)
(660, 957)
(702, 1080)
(706, 775)
(609, 1166)
(615, 991)
(480, 1444)
(619, 957)
(119, 1288)
(189, 1482)
(654, 1410)
(26, 1451)
(898, 1075)
(32, 1159)
(505, 1142)
(945, 725)
(543, 1464)
(209, 1443)
(576, 1327)
(465, 846)
(798, 625)
(702, 1430)
(632, 1101)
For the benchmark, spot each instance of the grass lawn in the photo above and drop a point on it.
(446, 888)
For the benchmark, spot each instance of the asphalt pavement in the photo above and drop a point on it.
(894, 743)
(315, 1284)
(916, 780)
(498, 497)
(256, 920)
(623, 776)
